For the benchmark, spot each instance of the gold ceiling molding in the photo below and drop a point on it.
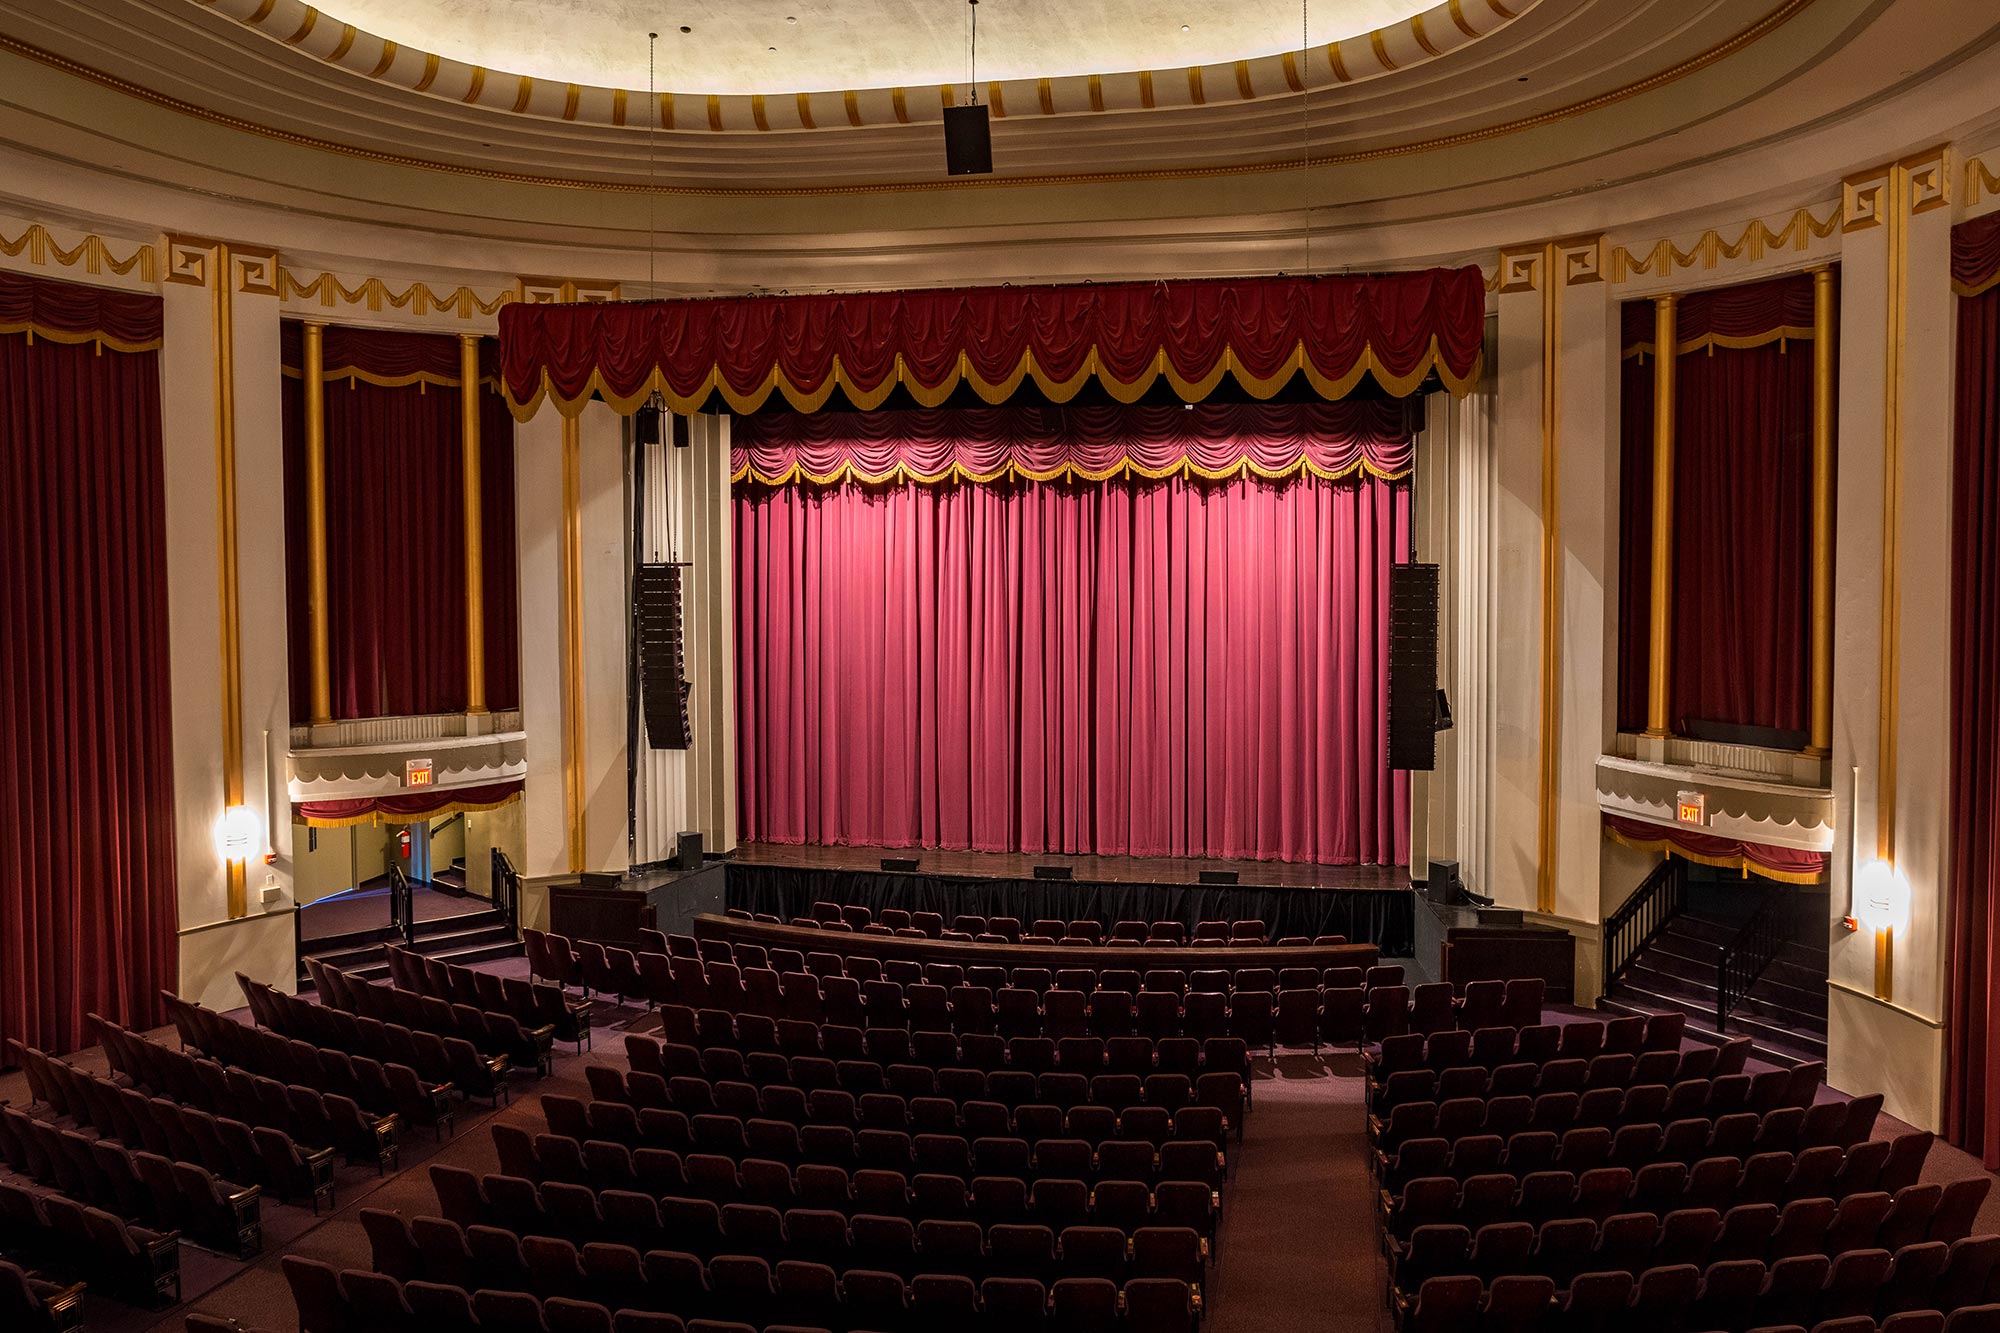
(1663, 258)
(93, 253)
(1729, 46)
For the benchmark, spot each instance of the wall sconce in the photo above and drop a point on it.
(1882, 902)
(237, 834)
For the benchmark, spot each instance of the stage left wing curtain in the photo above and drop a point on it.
(1170, 667)
(88, 907)
(395, 527)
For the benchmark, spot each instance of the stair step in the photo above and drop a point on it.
(1701, 1028)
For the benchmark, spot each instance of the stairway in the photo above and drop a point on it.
(1784, 1015)
(471, 937)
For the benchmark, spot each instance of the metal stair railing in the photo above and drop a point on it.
(1743, 959)
(1637, 921)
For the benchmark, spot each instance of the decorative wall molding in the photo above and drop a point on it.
(1980, 182)
(93, 254)
(1663, 258)
(1748, 809)
(348, 772)
(376, 296)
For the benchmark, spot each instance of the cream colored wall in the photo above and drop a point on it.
(324, 862)
(504, 828)
(538, 487)
(606, 516)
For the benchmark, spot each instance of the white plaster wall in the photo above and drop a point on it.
(606, 510)
(538, 503)
(1514, 788)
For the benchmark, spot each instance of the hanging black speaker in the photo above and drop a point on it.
(968, 141)
(1413, 647)
(663, 691)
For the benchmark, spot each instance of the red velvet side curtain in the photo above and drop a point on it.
(1742, 568)
(1972, 1071)
(1149, 668)
(396, 528)
(1788, 864)
(88, 903)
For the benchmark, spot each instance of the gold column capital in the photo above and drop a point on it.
(1666, 340)
(475, 566)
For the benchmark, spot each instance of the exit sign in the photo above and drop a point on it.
(417, 773)
(1691, 807)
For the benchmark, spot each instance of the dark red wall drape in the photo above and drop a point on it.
(87, 873)
(1166, 668)
(1742, 569)
(1972, 1073)
(396, 528)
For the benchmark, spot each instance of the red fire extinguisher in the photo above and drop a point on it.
(403, 843)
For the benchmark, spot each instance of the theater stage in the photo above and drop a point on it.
(1371, 903)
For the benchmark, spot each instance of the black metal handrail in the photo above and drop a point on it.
(402, 905)
(507, 891)
(1743, 959)
(1660, 898)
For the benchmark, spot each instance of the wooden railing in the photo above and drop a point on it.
(1660, 898)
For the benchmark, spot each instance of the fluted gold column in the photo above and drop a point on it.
(1824, 373)
(572, 633)
(1664, 350)
(475, 568)
(320, 651)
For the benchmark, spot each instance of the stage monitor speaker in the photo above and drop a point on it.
(1499, 916)
(687, 851)
(1055, 872)
(1219, 877)
(663, 690)
(1413, 687)
(1443, 885)
(968, 141)
(900, 862)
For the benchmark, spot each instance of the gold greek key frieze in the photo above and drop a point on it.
(566, 291)
(188, 260)
(93, 253)
(1863, 200)
(1756, 240)
(1929, 175)
(1582, 259)
(255, 271)
(1520, 270)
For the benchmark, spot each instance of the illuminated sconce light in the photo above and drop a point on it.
(1882, 902)
(238, 833)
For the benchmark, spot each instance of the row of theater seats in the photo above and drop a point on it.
(744, 1295)
(559, 1219)
(497, 1035)
(1052, 1188)
(1569, 1247)
(968, 925)
(33, 1305)
(530, 1003)
(719, 1048)
(1848, 1293)
(1531, 1078)
(312, 1118)
(139, 1186)
(440, 1060)
(60, 1235)
(226, 1146)
(382, 1088)
(1491, 1047)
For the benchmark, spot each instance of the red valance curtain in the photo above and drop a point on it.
(1972, 1071)
(1398, 328)
(1150, 668)
(88, 903)
(1742, 565)
(407, 807)
(1208, 440)
(1789, 864)
(396, 527)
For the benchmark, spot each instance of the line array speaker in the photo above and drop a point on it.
(662, 690)
(1413, 636)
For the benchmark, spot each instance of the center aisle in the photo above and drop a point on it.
(1297, 1249)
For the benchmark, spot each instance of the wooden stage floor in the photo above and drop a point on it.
(1092, 869)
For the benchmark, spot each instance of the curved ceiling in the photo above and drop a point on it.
(783, 46)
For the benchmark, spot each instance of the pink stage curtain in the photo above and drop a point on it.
(1740, 655)
(1789, 864)
(407, 807)
(1148, 668)
(87, 867)
(1122, 337)
(1210, 440)
(1972, 1071)
(396, 527)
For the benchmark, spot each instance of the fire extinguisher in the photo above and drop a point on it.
(403, 843)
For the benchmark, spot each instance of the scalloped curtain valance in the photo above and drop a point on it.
(1397, 328)
(391, 358)
(407, 807)
(1749, 314)
(72, 312)
(1211, 441)
(1975, 255)
(1789, 865)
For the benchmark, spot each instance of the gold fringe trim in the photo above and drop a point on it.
(378, 818)
(348, 374)
(1707, 341)
(1980, 288)
(1739, 863)
(101, 339)
(904, 474)
(996, 392)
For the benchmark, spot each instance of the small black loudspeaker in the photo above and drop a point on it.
(1055, 872)
(968, 141)
(900, 862)
(1218, 877)
(687, 852)
(1500, 916)
(1413, 688)
(1442, 886)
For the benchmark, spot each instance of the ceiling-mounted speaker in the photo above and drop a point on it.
(968, 141)
(681, 438)
(1413, 651)
(663, 690)
(646, 422)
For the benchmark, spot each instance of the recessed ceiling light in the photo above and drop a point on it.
(1184, 27)
(791, 18)
(686, 28)
(771, 48)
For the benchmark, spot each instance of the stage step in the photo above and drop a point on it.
(471, 937)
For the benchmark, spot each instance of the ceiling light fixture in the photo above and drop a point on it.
(968, 133)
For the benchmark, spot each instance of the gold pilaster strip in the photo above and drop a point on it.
(996, 97)
(1195, 92)
(901, 104)
(1423, 38)
(306, 25)
(1293, 79)
(757, 116)
(666, 111)
(853, 103)
(806, 111)
(715, 112)
(1337, 63)
(1885, 964)
(1661, 622)
(388, 59)
(523, 94)
(1244, 89)
(1045, 96)
(348, 32)
(477, 85)
(1381, 49)
(475, 545)
(223, 316)
(1825, 371)
(1097, 92)
(1457, 8)
(1551, 737)
(572, 98)
(431, 65)
(1897, 215)
(313, 381)
(1146, 89)
(618, 106)
(572, 633)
